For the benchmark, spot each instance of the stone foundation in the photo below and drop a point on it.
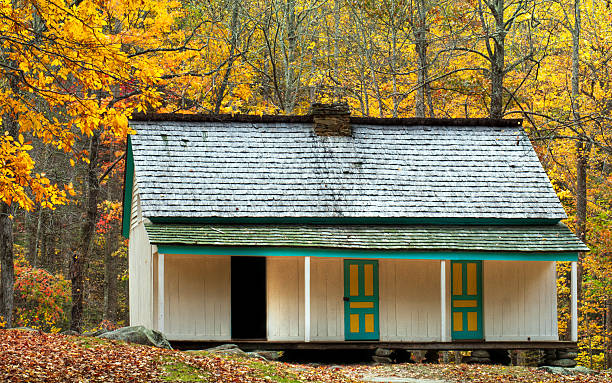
(564, 358)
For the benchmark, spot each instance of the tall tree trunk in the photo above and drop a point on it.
(7, 274)
(110, 286)
(87, 231)
(498, 61)
(234, 30)
(423, 95)
(582, 149)
(289, 52)
(393, 59)
(608, 329)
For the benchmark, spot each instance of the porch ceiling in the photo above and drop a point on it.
(528, 239)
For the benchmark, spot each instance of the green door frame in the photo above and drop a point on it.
(464, 305)
(365, 307)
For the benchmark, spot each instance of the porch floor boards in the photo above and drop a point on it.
(248, 345)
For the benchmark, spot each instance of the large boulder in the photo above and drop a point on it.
(227, 349)
(564, 363)
(139, 335)
(269, 355)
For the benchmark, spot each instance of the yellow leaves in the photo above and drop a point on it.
(70, 189)
(17, 179)
(24, 66)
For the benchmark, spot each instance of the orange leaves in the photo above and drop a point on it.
(38, 357)
(40, 297)
(31, 356)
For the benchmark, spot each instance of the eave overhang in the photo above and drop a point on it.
(456, 242)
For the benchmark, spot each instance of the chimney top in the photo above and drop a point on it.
(331, 119)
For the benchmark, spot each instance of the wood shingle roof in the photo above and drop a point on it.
(276, 168)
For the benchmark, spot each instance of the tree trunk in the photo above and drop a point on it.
(608, 329)
(7, 267)
(234, 30)
(110, 286)
(289, 53)
(423, 96)
(87, 231)
(393, 60)
(7, 273)
(498, 62)
(582, 149)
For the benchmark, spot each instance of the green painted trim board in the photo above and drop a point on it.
(128, 184)
(352, 221)
(363, 254)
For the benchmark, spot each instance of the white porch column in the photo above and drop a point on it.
(443, 301)
(574, 302)
(160, 292)
(306, 299)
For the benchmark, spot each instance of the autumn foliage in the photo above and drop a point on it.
(74, 70)
(42, 299)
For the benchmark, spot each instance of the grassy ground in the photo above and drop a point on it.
(38, 357)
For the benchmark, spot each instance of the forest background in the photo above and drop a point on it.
(74, 71)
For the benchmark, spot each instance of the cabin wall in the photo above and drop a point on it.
(285, 296)
(409, 300)
(140, 267)
(326, 304)
(519, 301)
(409, 306)
(197, 297)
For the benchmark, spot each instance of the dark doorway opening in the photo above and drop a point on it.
(248, 297)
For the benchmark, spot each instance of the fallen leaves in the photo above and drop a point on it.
(476, 373)
(33, 356)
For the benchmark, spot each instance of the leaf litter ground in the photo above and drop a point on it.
(31, 356)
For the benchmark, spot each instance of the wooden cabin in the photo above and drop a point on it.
(326, 229)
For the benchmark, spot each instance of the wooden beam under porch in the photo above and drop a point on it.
(249, 345)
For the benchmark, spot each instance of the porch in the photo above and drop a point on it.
(303, 304)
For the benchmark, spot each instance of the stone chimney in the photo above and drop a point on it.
(331, 119)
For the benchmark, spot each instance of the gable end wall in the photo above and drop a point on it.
(140, 267)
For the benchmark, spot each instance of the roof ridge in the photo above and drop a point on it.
(408, 121)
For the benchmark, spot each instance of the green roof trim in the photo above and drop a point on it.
(350, 221)
(128, 184)
(368, 254)
(405, 238)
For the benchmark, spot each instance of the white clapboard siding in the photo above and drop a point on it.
(409, 300)
(285, 291)
(140, 267)
(197, 297)
(326, 292)
(519, 300)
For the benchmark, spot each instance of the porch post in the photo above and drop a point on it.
(574, 304)
(160, 292)
(306, 299)
(443, 300)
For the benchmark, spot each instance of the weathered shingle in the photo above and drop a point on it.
(552, 238)
(282, 169)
